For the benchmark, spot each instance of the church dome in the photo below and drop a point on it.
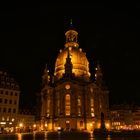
(80, 64)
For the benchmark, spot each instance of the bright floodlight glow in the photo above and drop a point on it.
(20, 125)
(46, 125)
(2, 122)
(34, 125)
(107, 125)
(59, 128)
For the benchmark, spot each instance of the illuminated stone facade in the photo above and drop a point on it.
(71, 100)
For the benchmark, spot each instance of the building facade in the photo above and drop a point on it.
(25, 121)
(71, 100)
(11, 119)
(125, 117)
(9, 101)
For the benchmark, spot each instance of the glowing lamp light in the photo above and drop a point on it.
(13, 119)
(95, 75)
(59, 128)
(34, 125)
(107, 125)
(46, 125)
(98, 125)
(91, 124)
(20, 125)
(67, 86)
(2, 122)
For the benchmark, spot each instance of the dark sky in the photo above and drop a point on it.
(31, 36)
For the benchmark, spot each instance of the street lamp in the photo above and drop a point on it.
(91, 126)
(46, 125)
(107, 125)
(21, 125)
(34, 127)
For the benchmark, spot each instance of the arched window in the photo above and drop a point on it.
(67, 105)
(79, 105)
(92, 107)
(48, 106)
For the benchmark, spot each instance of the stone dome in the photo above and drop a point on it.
(80, 64)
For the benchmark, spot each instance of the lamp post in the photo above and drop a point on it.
(34, 127)
(46, 125)
(20, 127)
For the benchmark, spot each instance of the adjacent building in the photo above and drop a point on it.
(125, 117)
(70, 99)
(9, 101)
(10, 118)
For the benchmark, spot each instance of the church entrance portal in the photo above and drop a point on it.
(67, 125)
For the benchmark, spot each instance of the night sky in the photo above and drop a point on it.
(31, 36)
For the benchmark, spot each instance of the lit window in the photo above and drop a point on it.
(3, 118)
(79, 101)
(67, 86)
(8, 118)
(67, 121)
(67, 104)
(92, 114)
(91, 89)
(81, 123)
(92, 107)
(92, 102)
(79, 105)
(13, 119)
(67, 124)
(48, 106)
